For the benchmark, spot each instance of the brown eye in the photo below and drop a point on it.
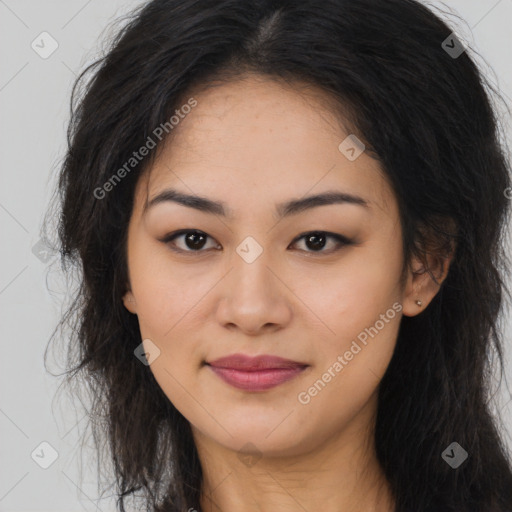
(316, 241)
(193, 240)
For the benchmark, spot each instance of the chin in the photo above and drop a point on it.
(261, 440)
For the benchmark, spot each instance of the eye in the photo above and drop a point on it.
(195, 240)
(317, 240)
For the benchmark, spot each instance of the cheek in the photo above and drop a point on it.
(360, 304)
(351, 367)
(164, 291)
(353, 295)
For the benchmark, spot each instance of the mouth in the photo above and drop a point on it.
(255, 373)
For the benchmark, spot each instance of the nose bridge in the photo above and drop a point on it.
(252, 262)
(253, 297)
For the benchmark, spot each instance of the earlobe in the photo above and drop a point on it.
(129, 302)
(423, 285)
(415, 296)
(427, 273)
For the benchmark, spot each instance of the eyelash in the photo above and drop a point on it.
(342, 241)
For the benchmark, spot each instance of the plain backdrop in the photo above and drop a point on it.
(34, 104)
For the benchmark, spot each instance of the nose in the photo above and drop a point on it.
(254, 297)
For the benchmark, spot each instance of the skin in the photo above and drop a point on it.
(252, 144)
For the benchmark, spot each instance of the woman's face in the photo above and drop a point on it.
(253, 284)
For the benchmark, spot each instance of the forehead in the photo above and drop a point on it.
(256, 141)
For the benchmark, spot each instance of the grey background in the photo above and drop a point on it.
(34, 103)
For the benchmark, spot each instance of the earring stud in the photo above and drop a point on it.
(419, 303)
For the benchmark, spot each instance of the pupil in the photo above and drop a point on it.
(312, 241)
(315, 244)
(191, 238)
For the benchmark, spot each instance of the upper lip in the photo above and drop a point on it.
(248, 363)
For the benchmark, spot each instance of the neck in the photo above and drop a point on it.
(341, 474)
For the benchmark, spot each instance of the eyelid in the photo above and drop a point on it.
(329, 234)
(341, 239)
(341, 242)
(167, 239)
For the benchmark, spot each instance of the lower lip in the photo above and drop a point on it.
(258, 380)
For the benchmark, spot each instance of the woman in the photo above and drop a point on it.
(289, 217)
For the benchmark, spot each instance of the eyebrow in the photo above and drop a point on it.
(285, 209)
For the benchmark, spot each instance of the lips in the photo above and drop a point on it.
(255, 373)
(248, 363)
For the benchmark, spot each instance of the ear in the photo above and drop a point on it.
(425, 277)
(129, 302)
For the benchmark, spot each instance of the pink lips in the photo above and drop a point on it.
(255, 373)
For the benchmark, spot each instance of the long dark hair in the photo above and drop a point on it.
(425, 112)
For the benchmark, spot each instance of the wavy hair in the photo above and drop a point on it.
(427, 115)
